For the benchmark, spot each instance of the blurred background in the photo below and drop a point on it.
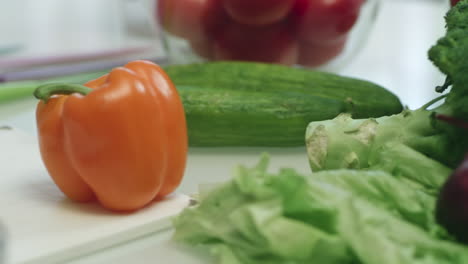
(52, 31)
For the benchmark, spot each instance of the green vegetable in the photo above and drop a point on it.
(340, 216)
(404, 145)
(414, 145)
(450, 56)
(11, 91)
(254, 104)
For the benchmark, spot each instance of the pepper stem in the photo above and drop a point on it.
(44, 92)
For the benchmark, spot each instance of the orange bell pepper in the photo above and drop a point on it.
(120, 139)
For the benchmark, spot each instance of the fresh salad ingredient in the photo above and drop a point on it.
(414, 140)
(273, 43)
(121, 139)
(452, 205)
(314, 55)
(340, 216)
(449, 55)
(323, 21)
(193, 20)
(454, 2)
(258, 12)
(403, 145)
(255, 104)
(203, 47)
(262, 30)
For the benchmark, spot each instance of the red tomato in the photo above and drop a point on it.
(314, 55)
(272, 44)
(190, 19)
(203, 48)
(324, 21)
(258, 12)
(454, 2)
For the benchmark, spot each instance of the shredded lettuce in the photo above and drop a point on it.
(404, 145)
(334, 216)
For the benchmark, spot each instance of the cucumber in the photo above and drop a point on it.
(256, 104)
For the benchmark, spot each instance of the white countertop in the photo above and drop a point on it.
(395, 57)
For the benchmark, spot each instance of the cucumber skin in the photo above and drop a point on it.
(255, 104)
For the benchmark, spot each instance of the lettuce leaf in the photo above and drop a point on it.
(336, 216)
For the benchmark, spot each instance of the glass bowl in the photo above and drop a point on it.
(306, 33)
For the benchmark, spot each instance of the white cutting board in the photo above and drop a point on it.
(45, 227)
